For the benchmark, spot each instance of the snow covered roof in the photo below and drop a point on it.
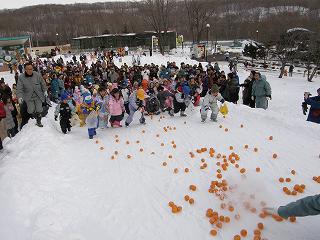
(12, 41)
(297, 29)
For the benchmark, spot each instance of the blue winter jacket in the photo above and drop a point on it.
(314, 113)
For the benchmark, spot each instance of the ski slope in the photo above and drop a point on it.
(55, 186)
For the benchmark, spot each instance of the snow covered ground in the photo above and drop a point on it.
(54, 186)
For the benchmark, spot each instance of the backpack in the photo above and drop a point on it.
(2, 111)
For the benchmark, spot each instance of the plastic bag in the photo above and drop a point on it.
(224, 109)
(92, 120)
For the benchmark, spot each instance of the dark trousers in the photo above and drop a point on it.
(65, 125)
(179, 106)
(25, 116)
(126, 106)
(116, 118)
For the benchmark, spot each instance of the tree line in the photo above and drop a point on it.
(228, 19)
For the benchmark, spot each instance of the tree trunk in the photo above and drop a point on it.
(313, 74)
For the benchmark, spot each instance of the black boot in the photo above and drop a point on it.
(39, 124)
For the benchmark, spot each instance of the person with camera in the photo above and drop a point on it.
(314, 103)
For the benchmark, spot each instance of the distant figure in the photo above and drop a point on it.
(291, 70)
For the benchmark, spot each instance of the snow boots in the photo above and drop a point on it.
(38, 118)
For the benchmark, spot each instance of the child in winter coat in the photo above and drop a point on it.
(90, 109)
(136, 103)
(166, 100)
(9, 119)
(116, 108)
(63, 109)
(102, 100)
(210, 102)
(178, 102)
(125, 92)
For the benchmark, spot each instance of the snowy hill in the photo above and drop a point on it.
(54, 186)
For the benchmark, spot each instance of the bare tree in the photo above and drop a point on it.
(157, 13)
(199, 13)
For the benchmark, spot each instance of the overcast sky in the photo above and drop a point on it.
(23, 3)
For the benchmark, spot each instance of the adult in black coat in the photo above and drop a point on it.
(246, 93)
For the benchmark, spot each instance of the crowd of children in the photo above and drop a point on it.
(102, 95)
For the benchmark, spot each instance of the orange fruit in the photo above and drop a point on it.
(227, 219)
(303, 186)
(221, 218)
(213, 232)
(274, 155)
(179, 209)
(174, 209)
(192, 187)
(271, 138)
(186, 170)
(191, 201)
(243, 233)
(292, 219)
(281, 179)
(260, 226)
(257, 232)
(231, 208)
(219, 175)
(186, 197)
(164, 164)
(176, 170)
(237, 237)
(171, 204)
(219, 225)
(258, 169)
(242, 170)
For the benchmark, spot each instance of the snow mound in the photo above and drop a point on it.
(55, 186)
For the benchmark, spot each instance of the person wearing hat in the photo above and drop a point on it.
(314, 102)
(63, 109)
(261, 91)
(179, 104)
(210, 102)
(136, 103)
(90, 109)
(32, 89)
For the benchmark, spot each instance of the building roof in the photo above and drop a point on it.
(11, 41)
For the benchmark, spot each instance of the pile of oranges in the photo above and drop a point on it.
(175, 208)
